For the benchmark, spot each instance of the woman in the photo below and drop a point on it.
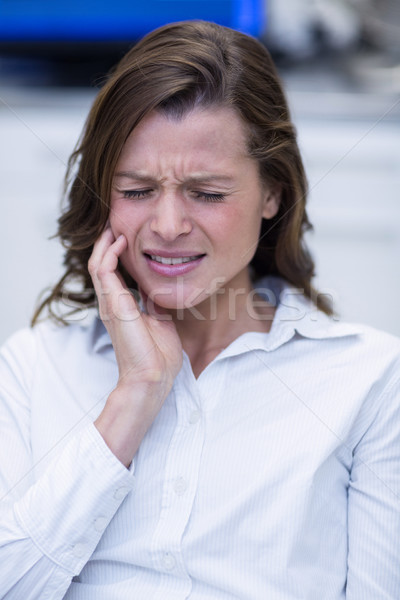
(214, 433)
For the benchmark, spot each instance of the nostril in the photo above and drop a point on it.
(170, 227)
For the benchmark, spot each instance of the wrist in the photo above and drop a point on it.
(125, 419)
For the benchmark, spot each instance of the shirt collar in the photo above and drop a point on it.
(100, 337)
(295, 314)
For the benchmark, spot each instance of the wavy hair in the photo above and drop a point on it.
(174, 69)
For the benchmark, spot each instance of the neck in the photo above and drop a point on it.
(206, 329)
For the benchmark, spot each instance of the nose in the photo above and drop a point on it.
(170, 219)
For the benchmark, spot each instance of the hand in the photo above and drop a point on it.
(148, 352)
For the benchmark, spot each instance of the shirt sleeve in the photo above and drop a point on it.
(374, 505)
(49, 530)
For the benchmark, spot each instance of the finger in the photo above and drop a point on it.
(107, 269)
(103, 272)
(100, 247)
(98, 258)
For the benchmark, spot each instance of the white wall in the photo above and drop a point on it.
(37, 134)
(354, 173)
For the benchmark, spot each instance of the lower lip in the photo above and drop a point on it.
(173, 270)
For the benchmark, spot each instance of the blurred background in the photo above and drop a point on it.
(340, 62)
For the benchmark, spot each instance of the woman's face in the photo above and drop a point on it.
(189, 201)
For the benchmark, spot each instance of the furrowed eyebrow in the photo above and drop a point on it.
(209, 178)
(133, 175)
(200, 178)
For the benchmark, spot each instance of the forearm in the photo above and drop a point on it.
(49, 534)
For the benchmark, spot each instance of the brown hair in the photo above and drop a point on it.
(173, 69)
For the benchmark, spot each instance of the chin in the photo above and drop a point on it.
(178, 297)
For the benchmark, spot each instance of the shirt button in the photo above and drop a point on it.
(100, 523)
(79, 550)
(194, 417)
(169, 561)
(180, 486)
(121, 492)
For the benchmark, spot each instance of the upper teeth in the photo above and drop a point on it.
(172, 261)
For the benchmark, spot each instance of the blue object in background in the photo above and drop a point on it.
(115, 20)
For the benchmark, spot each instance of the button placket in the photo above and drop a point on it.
(180, 486)
(100, 523)
(169, 561)
(194, 417)
(121, 492)
(180, 476)
(79, 550)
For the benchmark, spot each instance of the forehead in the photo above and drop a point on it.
(200, 133)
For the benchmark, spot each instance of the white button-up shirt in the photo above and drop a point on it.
(275, 475)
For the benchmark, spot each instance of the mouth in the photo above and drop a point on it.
(172, 266)
(173, 260)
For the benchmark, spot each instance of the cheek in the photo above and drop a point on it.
(123, 220)
(246, 236)
(115, 225)
(225, 221)
(115, 218)
(242, 224)
(128, 264)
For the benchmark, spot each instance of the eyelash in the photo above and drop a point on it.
(210, 197)
(135, 193)
(207, 197)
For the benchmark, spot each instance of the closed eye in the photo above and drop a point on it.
(208, 197)
(136, 193)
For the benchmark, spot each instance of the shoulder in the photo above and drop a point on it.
(357, 350)
(364, 339)
(75, 336)
(378, 352)
(375, 339)
(18, 357)
(362, 350)
(31, 345)
(366, 358)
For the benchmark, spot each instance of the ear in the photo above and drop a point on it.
(271, 200)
